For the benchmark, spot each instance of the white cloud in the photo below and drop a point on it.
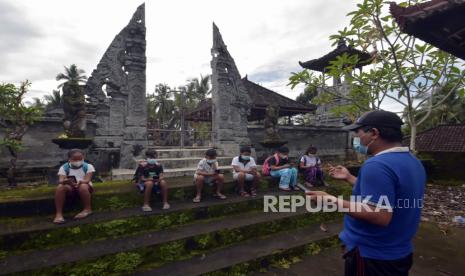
(267, 38)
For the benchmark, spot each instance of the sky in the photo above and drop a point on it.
(266, 38)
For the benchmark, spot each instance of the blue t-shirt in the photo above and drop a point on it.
(400, 178)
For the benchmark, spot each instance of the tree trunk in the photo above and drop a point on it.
(413, 136)
(12, 170)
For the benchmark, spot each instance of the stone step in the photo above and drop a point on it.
(116, 195)
(328, 262)
(38, 224)
(184, 153)
(190, 162)
(33, 233)
(187, 233)
(251, 250)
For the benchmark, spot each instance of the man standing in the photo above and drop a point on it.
(378, 232)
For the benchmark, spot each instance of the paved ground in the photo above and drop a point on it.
(436, 253)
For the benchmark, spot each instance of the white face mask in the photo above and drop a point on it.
(76, 164)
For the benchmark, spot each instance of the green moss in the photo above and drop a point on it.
(280, 259)
(155, 256)
(118, 228)
(41, 191)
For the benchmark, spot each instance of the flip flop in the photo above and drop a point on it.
(253, 193)
(196, 199)
(244, 194)
(59, 221)
(146, 209)
(219, 196)
(83, 215)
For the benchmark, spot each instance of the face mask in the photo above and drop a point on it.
(211, 161)
(152, 161)
(245, 157)
(76, 164)
(283, 156)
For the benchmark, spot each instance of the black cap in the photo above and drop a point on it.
(377, 118)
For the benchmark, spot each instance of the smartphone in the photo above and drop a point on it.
(72, 178)
(217, 171)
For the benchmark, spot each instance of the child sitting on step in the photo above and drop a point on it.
(310, 166)
(281, 168)
(74, 182)
(245, 169)
(209, 173)
(149, 175)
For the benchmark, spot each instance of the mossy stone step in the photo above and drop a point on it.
(247, 251)
(44, 223)
(233, 227)
(107, 196)
(43, 234)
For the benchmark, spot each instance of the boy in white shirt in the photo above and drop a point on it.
(74, 181)
(208, 173)
(245, 169)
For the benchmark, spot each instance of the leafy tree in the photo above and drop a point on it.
(161, 106)
(53, 100)
(37, 103)
(306, 97)
(403, 69)
(198, 89)
(73, 75)
(15, 118)
(450, 111)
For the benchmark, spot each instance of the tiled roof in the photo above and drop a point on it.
(437, 22)
(443, 138)
(262, 96)
(321, 63)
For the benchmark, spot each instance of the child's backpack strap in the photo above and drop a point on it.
(85, 167)
(67, 167)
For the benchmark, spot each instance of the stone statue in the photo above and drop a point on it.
(74, 108)
(271, 123)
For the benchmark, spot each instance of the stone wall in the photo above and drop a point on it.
(332, 142)
(39, 151)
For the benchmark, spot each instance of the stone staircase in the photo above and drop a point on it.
(178, 162)
(214, 237)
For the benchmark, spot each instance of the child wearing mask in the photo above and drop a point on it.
(208, 172)
(150, 178)
(281, 168)
(74, 181)
(310, 166)
(245, 169)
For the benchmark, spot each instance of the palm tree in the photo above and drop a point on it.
(73, 75)
(198, 89)
(161, 106)
(54, 100)
(37, 103)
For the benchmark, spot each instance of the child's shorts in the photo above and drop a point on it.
(209, 180)
(156, 187)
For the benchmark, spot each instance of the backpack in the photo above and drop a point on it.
(67, 167)
(266, 164)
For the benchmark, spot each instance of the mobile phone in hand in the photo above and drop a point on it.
(73, 179)
(217, 171)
